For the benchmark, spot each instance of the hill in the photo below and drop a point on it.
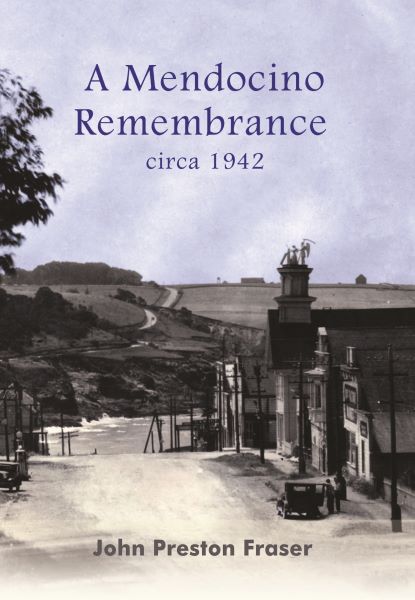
(248, 304)
(98, 299)
(46, 313)
(77, 363)
(73, 273)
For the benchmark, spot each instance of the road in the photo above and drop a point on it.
(50, 529)
(151, 318)
(172, 297)
(150, 321)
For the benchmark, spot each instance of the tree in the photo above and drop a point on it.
(24, 187)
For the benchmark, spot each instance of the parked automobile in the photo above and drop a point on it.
(303, 499)
(10, 476)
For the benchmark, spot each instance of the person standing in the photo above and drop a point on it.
(338, 491)
(343, 485)
(330, 496)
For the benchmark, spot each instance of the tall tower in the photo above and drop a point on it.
(294, 303)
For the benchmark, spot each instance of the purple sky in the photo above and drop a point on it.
(350, 190)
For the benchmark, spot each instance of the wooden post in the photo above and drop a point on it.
(175, 423)
(62, 436)
(149, 434)
(42, 430)
(159, 424)
(69, 443)
(191, 423)
(152, 441)
(219, 392)
(171, 423)
(301, 458)
(6, 427)
(396, 516)
(236, 386)
(257, 371)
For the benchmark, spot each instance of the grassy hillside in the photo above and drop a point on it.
(248, 304)
(99, 299)
(66, 272)
(150, 293)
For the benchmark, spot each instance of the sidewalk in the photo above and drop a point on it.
(372, 515)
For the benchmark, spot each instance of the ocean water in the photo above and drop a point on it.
(114, 435)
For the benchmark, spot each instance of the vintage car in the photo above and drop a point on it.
(303, 499)
(10, 476)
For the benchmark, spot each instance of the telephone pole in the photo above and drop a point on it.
(396, 516)
(42, 429)
(6, 426)
(171, 423)
(191, 423)
(236, 389)
(301, 457)
(62, 436)
(258, 377)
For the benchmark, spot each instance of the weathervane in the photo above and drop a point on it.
(297, 256)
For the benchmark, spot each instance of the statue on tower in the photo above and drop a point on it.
(297, 256)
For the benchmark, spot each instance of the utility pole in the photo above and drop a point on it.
(42, 431)
(62, 436)
(191, 423)
(175, 424)
(159, 424)
(258, 377)
(220, 399)
(6, 426)
(150, 434)
(236, 389)
(396, 516)
(171, 423)
(301, 458)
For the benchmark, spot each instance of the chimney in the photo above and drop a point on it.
(294, 303)
(351, 356)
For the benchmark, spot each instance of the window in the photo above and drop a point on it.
(350, 356)
(363, 429)
(363, 457)
(350, 395)
(280, 386)
(350, 402)
(350, 413)
(317, 396)
(351, 448)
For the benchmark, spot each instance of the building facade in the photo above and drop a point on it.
(238, 405)
(330, 359)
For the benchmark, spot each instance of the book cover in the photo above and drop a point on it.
(207, 319)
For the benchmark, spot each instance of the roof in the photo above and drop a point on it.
(370, 332)
(252, 280)
(405, 427)
(290, 341)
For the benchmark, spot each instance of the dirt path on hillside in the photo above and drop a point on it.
(172, 297)
(150, 321)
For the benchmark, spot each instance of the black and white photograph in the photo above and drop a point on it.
(207, 299)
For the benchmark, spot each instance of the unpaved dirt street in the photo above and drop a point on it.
(50, 529)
